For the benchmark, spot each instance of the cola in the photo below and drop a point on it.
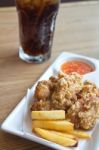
(36, 28)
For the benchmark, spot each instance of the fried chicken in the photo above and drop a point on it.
(79, 99)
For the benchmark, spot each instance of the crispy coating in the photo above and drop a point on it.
(42, 90)
(79, 99)
(41, 105)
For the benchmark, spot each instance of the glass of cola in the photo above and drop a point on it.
(36, 28)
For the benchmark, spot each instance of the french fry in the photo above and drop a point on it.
(62, 125)
(65, 134)
(58, 139)
(80, 134)
(48, 115)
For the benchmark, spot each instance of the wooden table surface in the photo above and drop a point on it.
(77, 30)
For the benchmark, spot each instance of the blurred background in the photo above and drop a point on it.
(12, 2)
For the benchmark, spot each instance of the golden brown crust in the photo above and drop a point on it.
(80, 100)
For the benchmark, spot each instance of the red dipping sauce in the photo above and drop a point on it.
(80, 67)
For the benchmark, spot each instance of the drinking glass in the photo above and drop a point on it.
(36, 28)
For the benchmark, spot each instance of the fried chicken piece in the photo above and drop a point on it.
(40, 105)
(42, 90)
(64, 94)
(87, 119)
(83, 113)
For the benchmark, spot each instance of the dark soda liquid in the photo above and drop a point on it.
(36, 26)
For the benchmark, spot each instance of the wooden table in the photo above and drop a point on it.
(77, 30)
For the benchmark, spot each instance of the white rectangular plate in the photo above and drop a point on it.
(19, 121)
